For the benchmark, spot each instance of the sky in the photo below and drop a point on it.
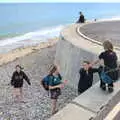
(46, 1)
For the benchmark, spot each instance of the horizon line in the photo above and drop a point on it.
(60, 1)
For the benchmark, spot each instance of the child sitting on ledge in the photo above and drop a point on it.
(86, 77)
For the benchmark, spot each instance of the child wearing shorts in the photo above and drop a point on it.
(17, 83)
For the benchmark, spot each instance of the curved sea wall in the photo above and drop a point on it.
(70, 58)
(72, 50)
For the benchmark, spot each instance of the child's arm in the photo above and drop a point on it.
(54, 87)
(26, 78)
(94, 70)
(12, 79)
(60, 77)
(95, 62)
(100, 59)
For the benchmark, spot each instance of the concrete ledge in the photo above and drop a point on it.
(94, 98)
(97, 101)
(93, 104)
(73, 112)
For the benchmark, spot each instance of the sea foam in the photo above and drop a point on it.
(30, 39)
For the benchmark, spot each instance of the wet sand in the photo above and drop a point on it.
(103, 31)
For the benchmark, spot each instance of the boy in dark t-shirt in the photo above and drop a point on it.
(86, 77)
(110, 58)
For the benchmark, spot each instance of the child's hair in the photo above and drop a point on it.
(19, 67)
(87, 62)
(108, 45)
(53, 68)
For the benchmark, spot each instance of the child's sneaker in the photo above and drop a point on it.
(103, 87)
(110, 89)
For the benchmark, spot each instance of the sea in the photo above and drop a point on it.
(29, 24)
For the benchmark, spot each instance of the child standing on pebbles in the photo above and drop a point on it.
(54, 82)
(17, 83)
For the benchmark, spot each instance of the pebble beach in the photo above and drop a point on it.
(36, 61)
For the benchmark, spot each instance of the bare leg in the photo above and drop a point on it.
(21, 94)
(17, 98)
(54, 103)
(15, 95)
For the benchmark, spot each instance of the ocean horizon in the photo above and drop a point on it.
(28, 24)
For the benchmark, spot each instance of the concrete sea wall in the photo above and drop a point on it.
(70, 59)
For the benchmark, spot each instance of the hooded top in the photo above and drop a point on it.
(17, 79)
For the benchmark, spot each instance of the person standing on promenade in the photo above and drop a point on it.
(17, 83)
(81, 18)
(109, 58)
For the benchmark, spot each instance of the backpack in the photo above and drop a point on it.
(45, 82)
(105, 78)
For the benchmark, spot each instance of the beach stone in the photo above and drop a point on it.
(37, 104)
